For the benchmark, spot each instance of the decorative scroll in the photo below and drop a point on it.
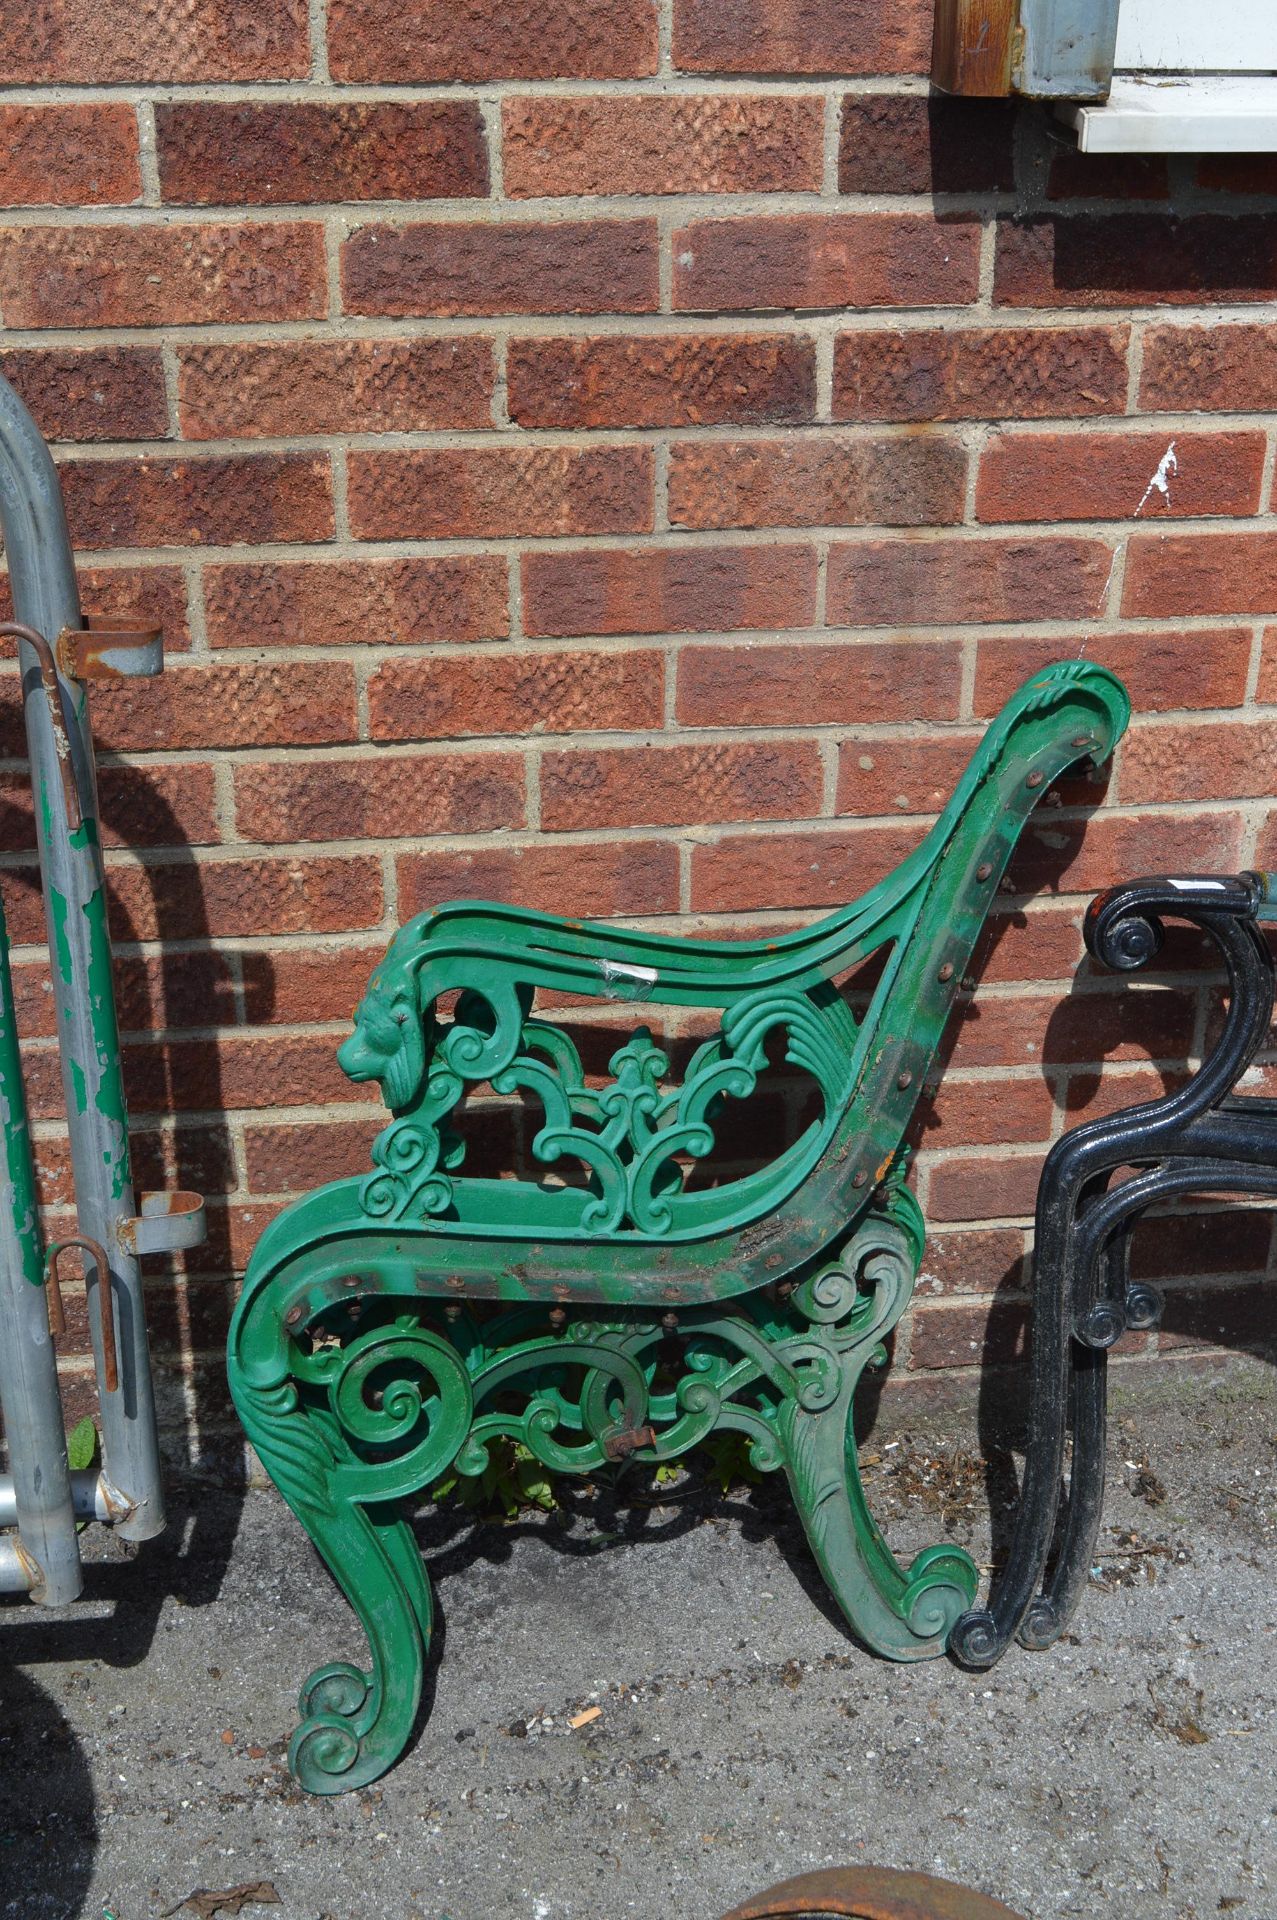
(634, 1137)
(379, 1397)
(393, 1406)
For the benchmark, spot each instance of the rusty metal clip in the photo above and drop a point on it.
(106, 1317)
(52, 693)
(110, 650)
(623, 1441)
(164, 1223)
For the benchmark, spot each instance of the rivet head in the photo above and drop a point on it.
(1035, 779)
(983, 871)
(670, 1322)
(1083, 740)
(904, 1080)
(860, 1179)
(294, 1316)
(351, 1283)
(558, 1318)
(946, 971)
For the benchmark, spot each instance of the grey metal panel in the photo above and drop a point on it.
(1067, 50)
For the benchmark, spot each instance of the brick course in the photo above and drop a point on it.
(149, 276)
(214, 153)
(69, 156)
(692, 380)
(316, 386)
(616, 456)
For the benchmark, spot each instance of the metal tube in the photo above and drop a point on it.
(41, 1505)
(18, 1571)
(42, 574)
(92, 1498)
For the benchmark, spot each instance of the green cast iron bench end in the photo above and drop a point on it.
(612, 1305)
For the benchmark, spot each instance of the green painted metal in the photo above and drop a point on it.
(358, 1367)
(19, 1173)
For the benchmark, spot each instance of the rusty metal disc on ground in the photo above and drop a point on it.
(870, 1893)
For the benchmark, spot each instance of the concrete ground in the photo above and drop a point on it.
(742, 1738)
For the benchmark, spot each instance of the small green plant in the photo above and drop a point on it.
(82, 1452)
(513, 1478)
(727, 1460)
(82, 1446)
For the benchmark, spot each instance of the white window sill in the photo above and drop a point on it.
(1178, 113)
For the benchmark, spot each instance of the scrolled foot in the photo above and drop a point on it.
(338, 1689)
(942, 1582)
(323, 1757)
(339, 1744)
(1041, 1626)
(975, 1640)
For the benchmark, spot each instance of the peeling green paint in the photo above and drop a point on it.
(59, 914)
(109, 1095)
(13, 1120)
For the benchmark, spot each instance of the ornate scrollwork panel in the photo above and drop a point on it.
(634, 1137)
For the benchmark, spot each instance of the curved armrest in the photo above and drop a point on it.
(1123, 930)
(931, 910)
(1070, 711)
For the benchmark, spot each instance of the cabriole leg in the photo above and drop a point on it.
(355, 1724)
(347, 1428)
(904, 1615)
(981, 1637)
(1053, 1608)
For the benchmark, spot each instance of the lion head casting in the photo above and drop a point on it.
(388, 1043)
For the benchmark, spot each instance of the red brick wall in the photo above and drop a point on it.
(616, 454)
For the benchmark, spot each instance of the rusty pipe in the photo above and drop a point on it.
(106, 1312)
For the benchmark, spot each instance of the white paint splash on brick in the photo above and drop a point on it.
(1161, 481)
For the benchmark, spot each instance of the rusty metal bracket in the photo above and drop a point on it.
(623, 1441)
(110, 650)
(871, 1893)
(61, 739)
(106, 1315)
(165, 1223)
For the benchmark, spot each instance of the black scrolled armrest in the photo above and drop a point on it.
(1123, 927)
(1123, 930)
